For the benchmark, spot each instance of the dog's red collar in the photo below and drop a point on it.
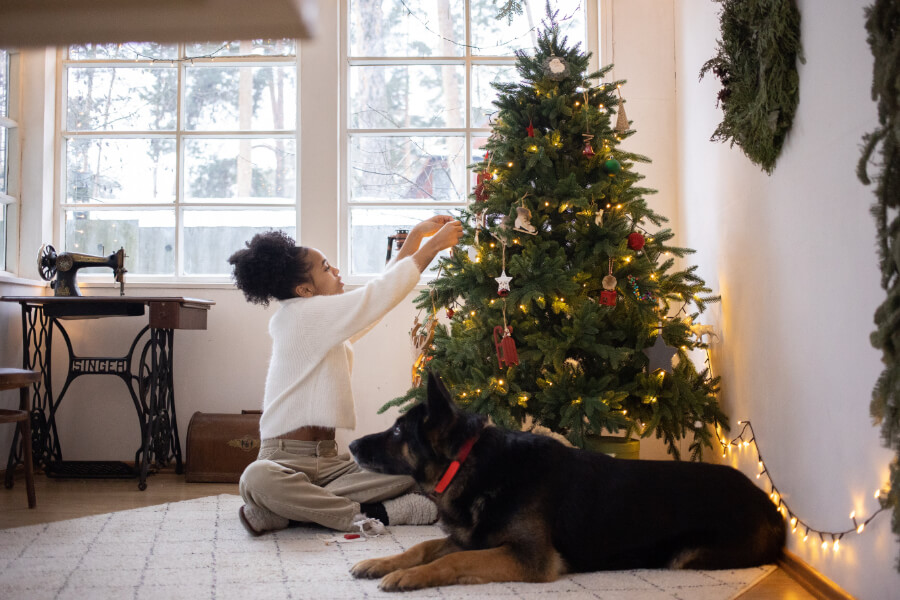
(450, 473)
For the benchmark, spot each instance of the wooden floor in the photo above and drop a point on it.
(60, 499)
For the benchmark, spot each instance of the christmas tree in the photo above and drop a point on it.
(566, 308)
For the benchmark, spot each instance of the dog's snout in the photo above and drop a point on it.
(354, 445)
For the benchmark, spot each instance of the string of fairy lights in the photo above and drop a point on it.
(826, 539)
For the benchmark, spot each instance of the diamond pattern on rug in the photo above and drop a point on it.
(197, 549)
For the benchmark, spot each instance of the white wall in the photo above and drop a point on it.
(793, 256)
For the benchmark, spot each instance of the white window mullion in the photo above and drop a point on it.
(179, 168)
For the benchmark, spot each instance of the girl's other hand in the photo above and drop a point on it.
(449, 234)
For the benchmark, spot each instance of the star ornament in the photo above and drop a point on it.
(503, 284)
(660, 355)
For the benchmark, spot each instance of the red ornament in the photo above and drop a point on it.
(530, 129)
(481, 194)
(635, 240)
(450, 313)
(608, 297)
(506, 347)
(588, 150)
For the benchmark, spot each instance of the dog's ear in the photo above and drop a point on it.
(440, 405)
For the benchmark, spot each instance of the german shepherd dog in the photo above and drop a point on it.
(523, 507)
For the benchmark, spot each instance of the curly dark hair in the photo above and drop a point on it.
(270, 267)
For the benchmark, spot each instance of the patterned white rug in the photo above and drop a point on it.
(198, 550)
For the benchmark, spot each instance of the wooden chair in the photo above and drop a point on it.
(11, 379)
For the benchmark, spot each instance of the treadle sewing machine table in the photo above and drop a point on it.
(147, 371)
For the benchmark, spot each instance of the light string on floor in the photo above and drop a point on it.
(827, 539)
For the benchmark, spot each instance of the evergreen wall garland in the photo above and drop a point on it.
(756, 63)
(883, 25)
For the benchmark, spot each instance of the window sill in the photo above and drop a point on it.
(355, 283)
(12, 279)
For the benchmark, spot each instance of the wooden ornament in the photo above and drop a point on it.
(505, 346)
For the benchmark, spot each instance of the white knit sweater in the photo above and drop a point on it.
(308, 383)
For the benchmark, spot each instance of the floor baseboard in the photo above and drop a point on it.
(811, 580)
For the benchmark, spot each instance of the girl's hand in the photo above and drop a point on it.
(425, 229)
(431, 226)
(448, 235)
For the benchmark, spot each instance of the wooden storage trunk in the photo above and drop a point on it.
(220, 446)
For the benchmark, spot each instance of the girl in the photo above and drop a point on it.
(299, 474)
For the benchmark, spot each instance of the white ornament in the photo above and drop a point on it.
(503, 283)
(523, 221)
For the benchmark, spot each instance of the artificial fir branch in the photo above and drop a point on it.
(756, 63)
(582, 369)
(883, 25)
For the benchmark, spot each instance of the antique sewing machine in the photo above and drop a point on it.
(66, 264)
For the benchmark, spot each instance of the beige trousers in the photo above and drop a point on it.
(310, 482)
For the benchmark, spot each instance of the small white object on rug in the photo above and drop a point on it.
(197, 549)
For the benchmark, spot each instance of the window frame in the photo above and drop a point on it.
(592, 9)
(11, 200)
(179, 136)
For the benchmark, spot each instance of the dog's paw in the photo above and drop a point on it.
(372, 568)
(404, 580)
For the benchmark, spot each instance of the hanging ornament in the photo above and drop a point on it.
(598, 217)
(504, 279)
(588, 149)
(506, 346)
(608, 298)
(523, 219)
(473, 249)
(635, 240)
(555, 68)
(646, 296)
(504, 343)
(621, 119)
(698, 330)
(420, 337)
(530, 129)
(660, 355)
(612, 166)
(450, 313)
(608, 295)
(503, 284)
(481, 193)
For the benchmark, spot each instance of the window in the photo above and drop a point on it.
(178, 153)
(8, 161)
(418, 106)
